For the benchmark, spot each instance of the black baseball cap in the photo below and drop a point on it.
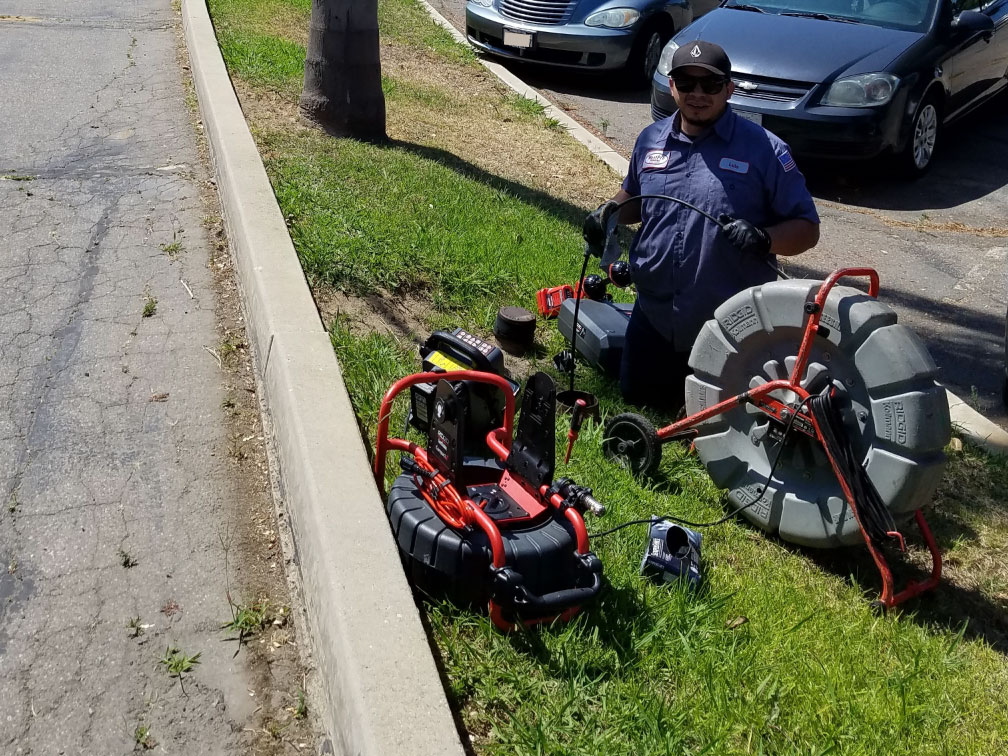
(702, 55)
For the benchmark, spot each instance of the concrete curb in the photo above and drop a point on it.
(976, 428)
(596, 146)
(385, 693)
(967, 421)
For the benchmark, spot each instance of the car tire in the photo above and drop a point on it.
(643, 60)
(924, 139)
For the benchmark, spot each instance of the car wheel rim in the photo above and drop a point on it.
(925, 134)
(651, 54)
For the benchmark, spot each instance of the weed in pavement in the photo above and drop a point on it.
(177, 663)
(136, 627)
(150, 307)
(126, 559)
(248, 619)
(300, 708)
(173, 249)
(143, 738)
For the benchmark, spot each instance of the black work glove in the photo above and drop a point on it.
(596, 225)
(745, 235)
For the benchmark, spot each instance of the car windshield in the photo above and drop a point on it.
(895, 14)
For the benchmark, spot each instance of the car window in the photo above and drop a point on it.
(897, 14)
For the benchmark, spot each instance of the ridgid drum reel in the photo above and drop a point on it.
(478, 516)
(818, 412)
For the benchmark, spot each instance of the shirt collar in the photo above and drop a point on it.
(724, 127)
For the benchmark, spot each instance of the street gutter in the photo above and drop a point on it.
(385, 694)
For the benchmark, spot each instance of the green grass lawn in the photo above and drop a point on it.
(778, 652)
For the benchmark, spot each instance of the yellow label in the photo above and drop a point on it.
(445, 362)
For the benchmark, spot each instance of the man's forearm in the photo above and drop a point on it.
(792, 237)
(628, 214)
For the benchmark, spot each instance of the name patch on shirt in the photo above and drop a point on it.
(733, 165)
(787, 162)
(656, 159)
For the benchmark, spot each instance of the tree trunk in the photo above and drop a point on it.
(342, 82)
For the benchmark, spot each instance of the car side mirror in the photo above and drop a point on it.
(970, 23)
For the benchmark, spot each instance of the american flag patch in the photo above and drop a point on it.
(787, 162)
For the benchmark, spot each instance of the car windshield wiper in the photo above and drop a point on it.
(752, 8)
(820, 16)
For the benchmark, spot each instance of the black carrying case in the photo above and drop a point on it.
(601, 331)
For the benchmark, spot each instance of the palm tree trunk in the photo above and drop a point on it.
(342, 83)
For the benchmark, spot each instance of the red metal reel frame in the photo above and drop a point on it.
(804, 421)
(459, 511)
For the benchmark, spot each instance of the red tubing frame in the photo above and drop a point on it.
(456, 510)
(889, 596)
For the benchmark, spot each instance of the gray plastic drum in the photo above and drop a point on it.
(896, 416)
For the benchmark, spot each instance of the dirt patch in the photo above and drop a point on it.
(381, 312)
(268, 111)
(924, 225)
(522, 148)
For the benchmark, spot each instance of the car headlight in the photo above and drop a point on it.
(665, 61)
(484, 3)
(862, 91)
(613, 18)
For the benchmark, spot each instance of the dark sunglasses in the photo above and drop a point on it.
(708, 84)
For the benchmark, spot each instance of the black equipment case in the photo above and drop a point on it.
(601, 331)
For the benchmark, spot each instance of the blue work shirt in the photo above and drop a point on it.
(683, 265)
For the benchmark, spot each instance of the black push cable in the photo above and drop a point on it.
(619, 205)
(574, 330)
(875, 516)
(734, 512)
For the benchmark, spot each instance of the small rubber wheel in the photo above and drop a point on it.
(632, 441)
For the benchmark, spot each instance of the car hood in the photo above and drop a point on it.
(798, 49)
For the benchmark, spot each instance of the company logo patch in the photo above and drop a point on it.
(787, 162)
(695, 52)
(733, 165)
(656, 159)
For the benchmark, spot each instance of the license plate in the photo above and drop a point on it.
(517, 39)
(754, 117)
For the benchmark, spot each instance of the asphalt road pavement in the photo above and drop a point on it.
(121, 499)
(940, 244)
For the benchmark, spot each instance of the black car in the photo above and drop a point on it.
(854, 78)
